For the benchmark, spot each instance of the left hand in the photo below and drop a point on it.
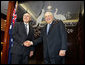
(31, 53)
(62, 53)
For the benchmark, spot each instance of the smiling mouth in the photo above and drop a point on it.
(48, 19)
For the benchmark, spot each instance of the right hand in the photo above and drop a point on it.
(27, 43)
(62, 53)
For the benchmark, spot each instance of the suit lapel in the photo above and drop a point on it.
(52, 25)
(24, 30)
(46, 29)
(29, 29)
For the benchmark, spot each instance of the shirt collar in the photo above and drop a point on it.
(51, 22)
(26, 23)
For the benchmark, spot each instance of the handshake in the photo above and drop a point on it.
(28, 43)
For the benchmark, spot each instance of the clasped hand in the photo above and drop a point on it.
(27, 43)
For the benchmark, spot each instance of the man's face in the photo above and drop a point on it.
(48, 17)
(26, 18)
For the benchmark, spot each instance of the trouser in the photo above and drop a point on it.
(19, 59)
(56, 60)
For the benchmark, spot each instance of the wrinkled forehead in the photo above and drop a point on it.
(48, 13)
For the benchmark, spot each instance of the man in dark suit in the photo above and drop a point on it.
(22, 32)
(54, 40)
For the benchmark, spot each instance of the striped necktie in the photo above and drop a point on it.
(26, 27)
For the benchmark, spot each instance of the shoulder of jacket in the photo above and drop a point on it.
(16, 22)
(58, 21)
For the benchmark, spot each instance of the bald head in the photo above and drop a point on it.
(48, 17)
(48, 13)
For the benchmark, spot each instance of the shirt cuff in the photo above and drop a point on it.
(31, 43)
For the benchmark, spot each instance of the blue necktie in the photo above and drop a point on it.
(48, 27)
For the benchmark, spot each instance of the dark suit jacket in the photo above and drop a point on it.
(55, 41)
(19, 36)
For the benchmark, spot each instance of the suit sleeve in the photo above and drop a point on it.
(38, 40)
(63, 34)
(32, 48)
(15, 34)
